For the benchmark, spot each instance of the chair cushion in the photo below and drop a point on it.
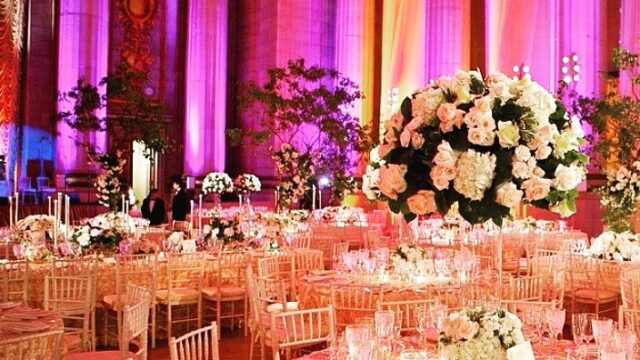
(100, 355)
(281, 334)
(180, 296)
(265, 317)
(111, 301)
(593, 294)
(226, 291)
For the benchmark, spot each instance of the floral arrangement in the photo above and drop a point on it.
(479, 333)
(142, 246)
(620, 195)
(296, 172)
(409, 258)
(107, 183)
(222, 230)
(299, 216)
(371, 176)
(610, 245)
(217, 182)
(274, 225)
(343, 215)
(34, 229)
(173, 242)
(247, 183)
(33, 251)
(104, 232)
(484, 144)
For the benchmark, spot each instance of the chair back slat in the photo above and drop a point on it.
(201, 344)
(14, 281)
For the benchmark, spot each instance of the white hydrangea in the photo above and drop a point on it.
(475, 174)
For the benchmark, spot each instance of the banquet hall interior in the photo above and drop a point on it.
(319, 179)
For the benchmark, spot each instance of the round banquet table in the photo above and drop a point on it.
(542, 351)
(17, 320)
(314, 289)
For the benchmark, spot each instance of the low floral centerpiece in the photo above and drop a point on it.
(479, 334)
(274, 225)
(609, 245)
(247, 183)
(220, 229)
(34, 228)
(485, 144)
(409, 259)
(342, 215)
(299, 216)
(218, 183)
(103, 233)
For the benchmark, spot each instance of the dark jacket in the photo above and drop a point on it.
(180, 206)
(156, 216)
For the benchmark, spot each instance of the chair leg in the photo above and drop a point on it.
(169, 320)
(275, 353)
(153, 327)
(105, 328)
(246, 317)
(251, 346)
(219, 315)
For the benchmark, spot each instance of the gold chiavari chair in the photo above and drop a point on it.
(182, 293)
(84, 267)
(518, 307)
(323, 240)
(301, 328)
(278, 267)
(227, 286)
(71, 297)
(15, 281)
(337, 250)
(301, 265)
(629, 319)
(45, 345)
(135, 326)
(354, 301)
(591, 284)
(526, 288)
(201, 344)
(132, 270)
(408, 308)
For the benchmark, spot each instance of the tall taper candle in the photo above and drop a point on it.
(200, 213)
(66, 216)
(59, 206)
(275, 199)
(17, 214)
(10, 211)
(55, 224)
(49, 202)
(191, 217)
(239, 201)
(319, 199)
(123, 203)
(313, 197)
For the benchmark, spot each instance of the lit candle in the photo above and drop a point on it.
(66, 216)
(200, 213)
(313, 197)
(59, 208)
(275, 198)
(319, 198)
(10, 211)
(239, 201)
(49, 201)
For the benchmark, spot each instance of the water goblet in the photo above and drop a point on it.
(555, 320)
(602, 329)
(625, 339)
(358, 341)
(422, 323)
(586, 327)
(384, 322)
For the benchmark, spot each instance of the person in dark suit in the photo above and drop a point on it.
(180, 202)
(153, 208)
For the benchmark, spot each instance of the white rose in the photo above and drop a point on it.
(83, 240)
(508, 195)
(484, 104)
(94, 232)
(567, 178)
(508, 134)
(536, 188)
(445, 155)
(576, 127)
(476, 136)
(543, 152)
(522, 153)
(228, 232)
(486, 122)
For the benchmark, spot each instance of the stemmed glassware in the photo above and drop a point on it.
(359, 341)
(602, 330)
(555, 320)
(384, 322)
(625, 340)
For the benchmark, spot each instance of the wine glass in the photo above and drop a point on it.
(555, 320)
(358, 341)
(582, 323)
(626, 340)
(422, 322)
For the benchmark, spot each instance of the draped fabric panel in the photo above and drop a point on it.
(447, 37)
(629, 36)
(206, 85)
(82, 53)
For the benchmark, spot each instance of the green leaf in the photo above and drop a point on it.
(405, 109)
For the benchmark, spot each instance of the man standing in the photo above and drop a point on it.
(153, 208)
(180, 202)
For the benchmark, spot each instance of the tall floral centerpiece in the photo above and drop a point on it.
(217, 183)
(485, 144)
(307, 110)
(246, 184)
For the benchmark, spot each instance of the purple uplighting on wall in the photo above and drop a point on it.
(206, 75)
(82, 53)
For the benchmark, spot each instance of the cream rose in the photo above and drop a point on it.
(536, 188)
(567, 177)
(449, 117)
(508, 195)
(441, 175)
(459, 328)
(520, 170)
(508, 134)
(417, 140)
(522, 153)
(422, 203)
(392, 180)
(543, 152)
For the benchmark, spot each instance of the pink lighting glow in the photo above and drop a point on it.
(206, 83)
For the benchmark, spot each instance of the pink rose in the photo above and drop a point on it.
(449, 117)
(536, 188)
(386, 148)
(417, 140)
(508, 195)
(393, 126)
(405, 138)
(392, 180)
(459, 328)
(422, 203)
